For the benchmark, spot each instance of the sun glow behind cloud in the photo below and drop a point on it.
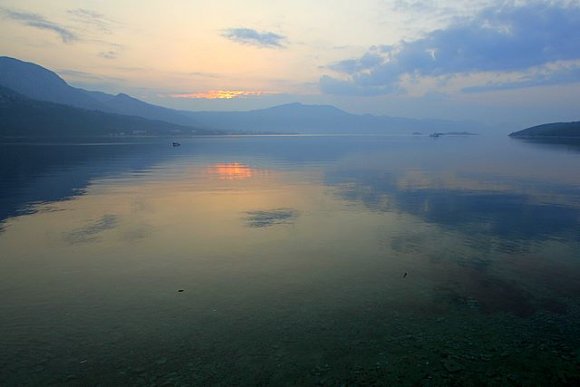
(222, 94)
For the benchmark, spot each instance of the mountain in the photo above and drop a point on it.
(23, 116)
(299, 118)
(125, 104)
(36, 82)
(555, 129)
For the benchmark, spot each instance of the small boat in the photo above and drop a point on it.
(174, 144)
(435, 135)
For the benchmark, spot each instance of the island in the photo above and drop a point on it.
(439, 134)
(552, 130)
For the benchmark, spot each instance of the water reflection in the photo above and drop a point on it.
(91, 231)
(232, 171)
(260, 219)
(35, 175)
(557, 144)
(322, 260)
(472, 207)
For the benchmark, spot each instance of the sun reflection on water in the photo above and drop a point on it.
(234, 171)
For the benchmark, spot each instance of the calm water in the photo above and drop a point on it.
(290, 260)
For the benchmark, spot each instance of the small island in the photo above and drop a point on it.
(439, 134)
(551, 130)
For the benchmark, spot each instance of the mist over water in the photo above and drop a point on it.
(290, 259)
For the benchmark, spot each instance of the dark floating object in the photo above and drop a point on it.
(180, 291)
(174, 144)
(405, 275)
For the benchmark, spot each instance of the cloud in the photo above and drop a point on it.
(440, 9)
(94, 24)
(37, 21)
(203, 74)
(87, 23)
(540, 77)
(509, 38)
(109, 54)
(91, 18)
(254, 38)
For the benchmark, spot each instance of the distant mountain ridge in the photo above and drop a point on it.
(554, 129)
(21, 116)
(125, 104)
(300, 118)
(37, 82)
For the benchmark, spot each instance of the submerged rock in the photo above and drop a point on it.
(452, 365)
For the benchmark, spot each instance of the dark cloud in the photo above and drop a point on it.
(254, 38)
(37, 21)
(509, 38)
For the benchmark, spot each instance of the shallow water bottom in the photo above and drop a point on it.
(290, 261)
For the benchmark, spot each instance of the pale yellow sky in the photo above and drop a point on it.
(178, 45)
(173, 52)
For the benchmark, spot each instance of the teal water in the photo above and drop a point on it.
(290, 260)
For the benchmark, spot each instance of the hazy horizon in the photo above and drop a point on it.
(496, 62)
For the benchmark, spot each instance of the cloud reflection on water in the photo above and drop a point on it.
(91, 231)
(267, 218)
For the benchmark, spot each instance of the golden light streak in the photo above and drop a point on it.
(221, 94)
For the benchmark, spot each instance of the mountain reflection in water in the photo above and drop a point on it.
(290, 260)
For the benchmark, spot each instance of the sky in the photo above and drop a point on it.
(498, 62)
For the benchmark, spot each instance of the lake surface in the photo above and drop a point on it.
(290, 260)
